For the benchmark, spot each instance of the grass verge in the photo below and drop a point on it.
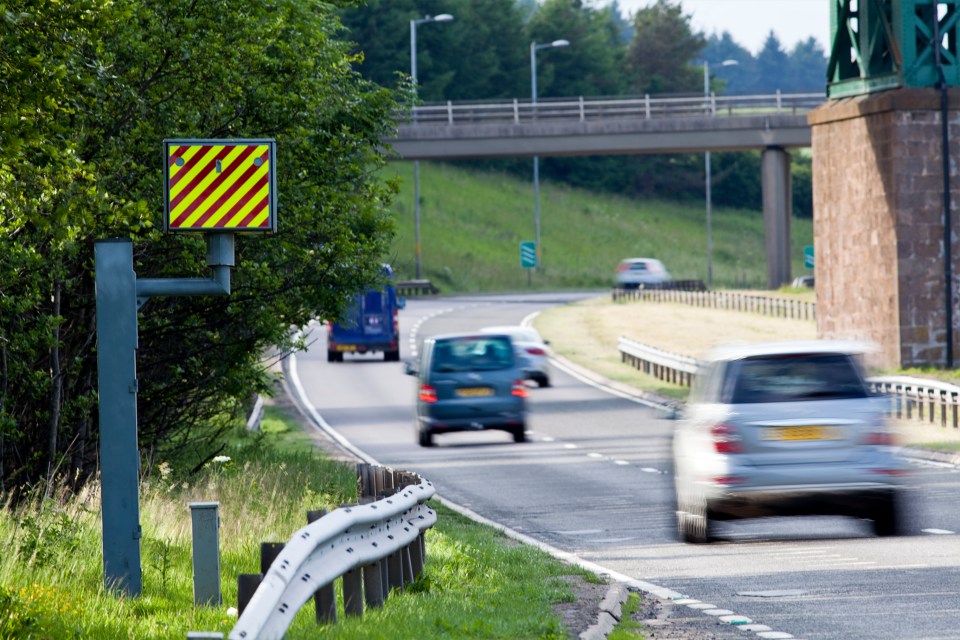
(477, 583)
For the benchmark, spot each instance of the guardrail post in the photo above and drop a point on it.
(325, 598)
(247, 584)
(372, 586)
(353, 593)
(205, 522)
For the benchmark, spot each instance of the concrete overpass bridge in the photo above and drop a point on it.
(772, 124)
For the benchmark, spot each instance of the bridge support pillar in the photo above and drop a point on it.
(878, 200)
(777, 207)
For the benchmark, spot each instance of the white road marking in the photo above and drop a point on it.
(938, 532)
(570, 446)
(594, 455)
(621, 462)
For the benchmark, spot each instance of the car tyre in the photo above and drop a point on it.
(425, 437)
(695, 525)
(886, 518)
(334, 356)
(520, 433)
(391, 356)
(543, 382)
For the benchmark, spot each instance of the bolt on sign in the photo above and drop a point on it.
(220, 185)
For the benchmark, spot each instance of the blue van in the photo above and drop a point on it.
(371, 325)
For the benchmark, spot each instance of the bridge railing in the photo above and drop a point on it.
(772, 306)
(582, 109)
(927, 401)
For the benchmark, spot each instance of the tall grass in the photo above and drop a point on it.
(473, 222)
(476, 583)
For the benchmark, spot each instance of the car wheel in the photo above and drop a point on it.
(543, 382)
(425, 437)
(332, 356)
(886, 518)
(520, 433)
(391, 356)
(694, 524)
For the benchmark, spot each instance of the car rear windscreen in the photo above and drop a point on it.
(794, 377)
(480, 353)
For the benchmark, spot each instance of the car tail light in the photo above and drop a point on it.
(396, 322)
(725, 439)
(879, 438)
(428, 393)
(623, 266)
(519, 389)
(728, 480)
(536, 351)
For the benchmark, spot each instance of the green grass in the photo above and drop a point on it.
(476, 584)
(472, 224)
(628, 628)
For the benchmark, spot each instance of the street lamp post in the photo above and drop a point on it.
(534, 47)
(443, 17)
(708, 186)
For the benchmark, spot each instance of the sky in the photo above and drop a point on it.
(749, 21)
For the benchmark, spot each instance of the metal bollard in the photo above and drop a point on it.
(206, 553)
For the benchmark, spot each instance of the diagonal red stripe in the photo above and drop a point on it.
(198, 158)
(257, 210)
(228, 173)
(250, 190)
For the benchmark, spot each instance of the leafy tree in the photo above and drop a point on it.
(732, 79)
(807, 68)
(772, 66)
(591, 65)
(92, 89)
(664, 43)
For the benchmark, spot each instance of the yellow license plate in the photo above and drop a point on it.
(811, 432)
(473, 392)
(346, 347)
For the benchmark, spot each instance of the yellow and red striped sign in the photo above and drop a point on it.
(220, 185)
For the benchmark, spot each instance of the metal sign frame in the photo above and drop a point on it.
(228, 196)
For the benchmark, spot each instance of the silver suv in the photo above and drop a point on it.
(469, 382)
(784, 429)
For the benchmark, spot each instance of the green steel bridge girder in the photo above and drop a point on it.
(887, 44)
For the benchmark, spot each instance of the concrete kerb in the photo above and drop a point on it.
(611, 611)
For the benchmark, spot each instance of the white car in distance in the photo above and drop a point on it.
(633, 272)
(531, 348)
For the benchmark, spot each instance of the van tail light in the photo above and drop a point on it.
(725, 439)
(519, 389)
(536, 351)
(396, 322)
(427, 393)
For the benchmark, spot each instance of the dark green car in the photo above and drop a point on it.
(469, 382)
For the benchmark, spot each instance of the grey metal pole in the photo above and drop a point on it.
(708, 187)
(443, 17)
(416, 163)
(536, 159)
(205, 521)
(116, 300)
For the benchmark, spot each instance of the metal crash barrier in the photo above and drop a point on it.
(374, 546)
